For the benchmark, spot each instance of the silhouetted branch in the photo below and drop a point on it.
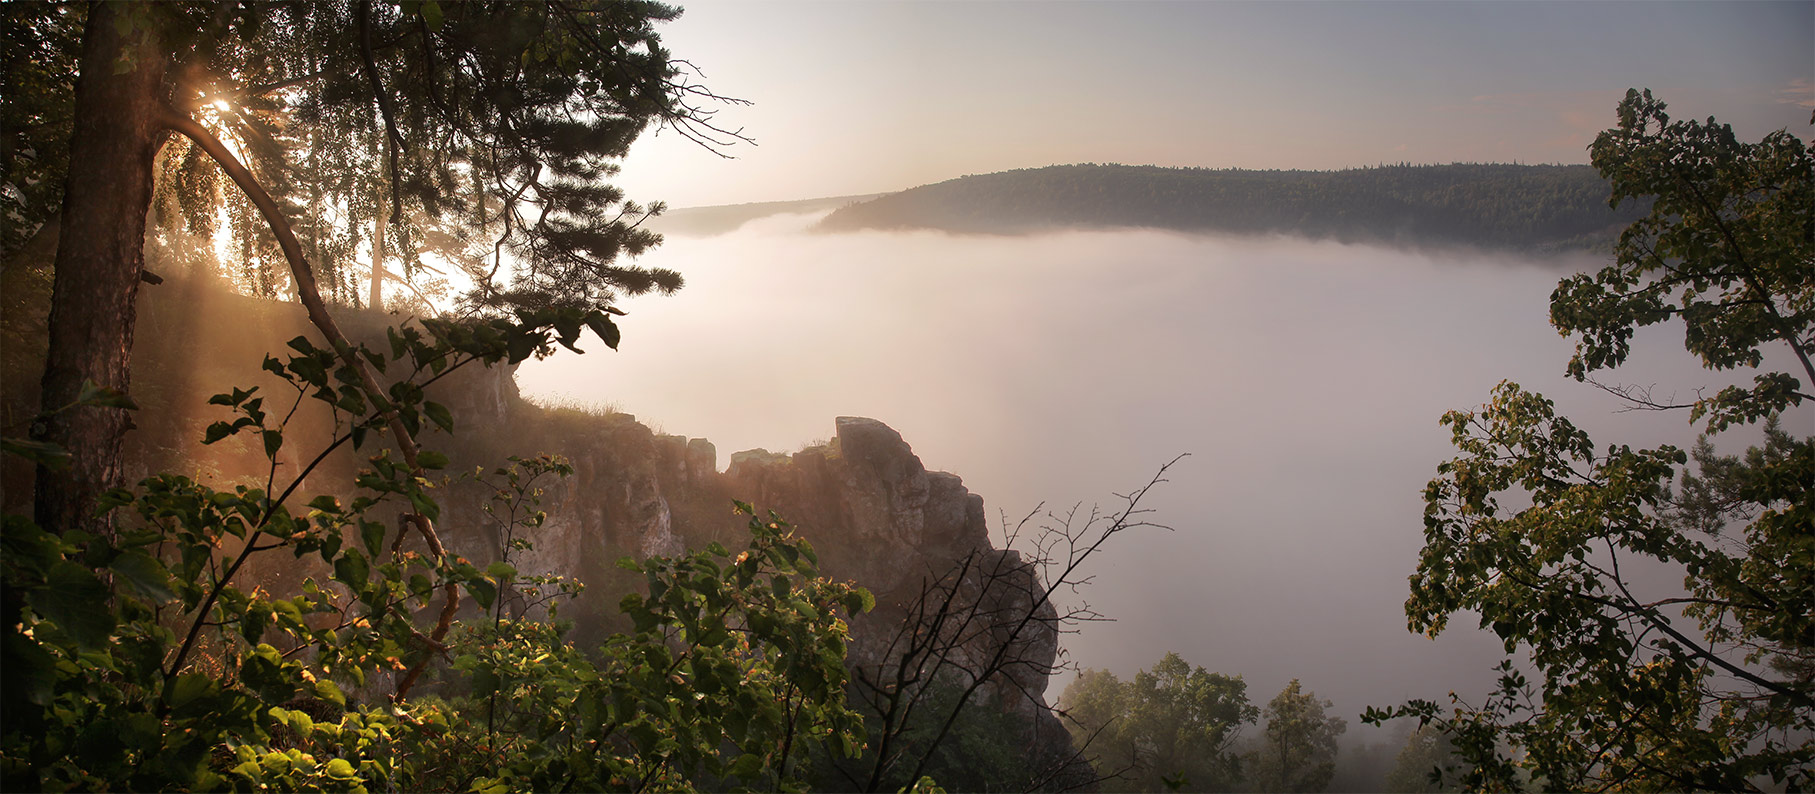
(1639, 397)
(973, 626)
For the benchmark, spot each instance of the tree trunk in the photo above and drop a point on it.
(111, 152)
(377, 301)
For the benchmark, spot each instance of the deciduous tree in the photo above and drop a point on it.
(1712, 686)
(1298, 748)
(1173, 722)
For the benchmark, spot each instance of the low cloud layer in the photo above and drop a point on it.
(1305, 380)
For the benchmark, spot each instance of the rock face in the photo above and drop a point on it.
(877, 515)
(920, 540)
(870, 508)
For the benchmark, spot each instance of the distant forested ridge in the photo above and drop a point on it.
(1516, 207)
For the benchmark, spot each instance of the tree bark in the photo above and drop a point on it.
(99, 259)
(377, 301)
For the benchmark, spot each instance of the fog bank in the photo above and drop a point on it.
(1305, 380)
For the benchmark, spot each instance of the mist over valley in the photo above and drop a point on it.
(1304, 378)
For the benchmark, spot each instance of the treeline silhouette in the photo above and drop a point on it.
(1516, 207)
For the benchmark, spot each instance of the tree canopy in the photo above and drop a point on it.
(1297, 750)
(486, 131)
(1518, 207)
(1174, 722)
(1711, 687)
(504, 118)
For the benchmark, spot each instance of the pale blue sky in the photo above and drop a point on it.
(874, 96)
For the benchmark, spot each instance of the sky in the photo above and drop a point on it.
(864, 97)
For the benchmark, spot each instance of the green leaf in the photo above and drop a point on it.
(353, 569)
(398, 344)
(431, 14)
(372, 532)
(143, 574)
(218, 431)
(483, 592)
(99, 396)
(748, 766)
(329, 691)
(43, 453)
(439, 414)
(340, 769)
(274, 440)
(425, 505)
(521, 345)
(266, 673)
(430, 459)
(188, 688)
(252, 624)
(485, 682)
(77, 602)
(607, 330)
(859, 600)
(27, 669)
(235, 398)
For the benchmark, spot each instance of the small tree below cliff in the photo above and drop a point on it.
(1171, 725)
(1297, 752)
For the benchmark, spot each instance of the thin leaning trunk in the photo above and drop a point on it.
(310, 295)
(377, 299)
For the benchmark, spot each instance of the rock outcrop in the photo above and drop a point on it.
(864, 499)
(872, 511)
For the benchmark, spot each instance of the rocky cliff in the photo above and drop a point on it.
(918, 539)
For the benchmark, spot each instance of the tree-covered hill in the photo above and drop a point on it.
(1517, 207)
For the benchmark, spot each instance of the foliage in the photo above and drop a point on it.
(513, 510)
(1425, 764)
(40, 42)
(735, 670)
(984, 750)
(1726, 249)
(143, 660)
(1173, 723)
(1630, 697)
(482, 133)
(1491, 206)
(1298, 747)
